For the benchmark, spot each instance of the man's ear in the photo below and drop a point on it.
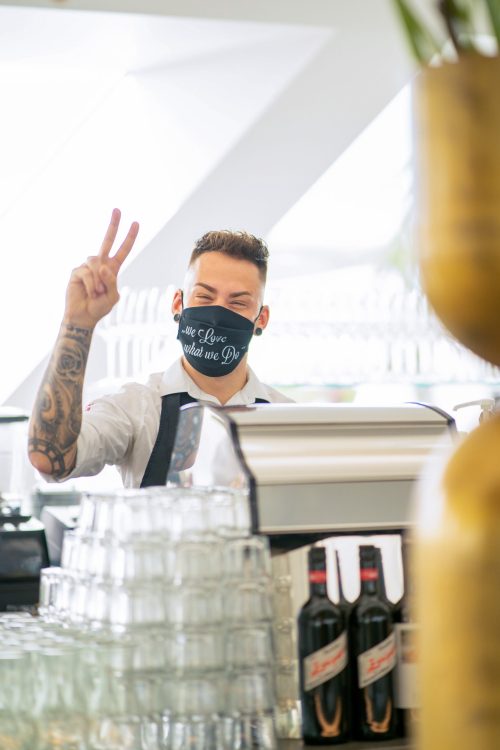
(263, 318)
(177, 302)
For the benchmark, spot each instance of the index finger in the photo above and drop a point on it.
(110, 235)
(127, 243)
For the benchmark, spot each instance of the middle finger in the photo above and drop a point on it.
(110, 235)
(127, 243)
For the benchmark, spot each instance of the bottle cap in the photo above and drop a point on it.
(317, 557)
(367, 552)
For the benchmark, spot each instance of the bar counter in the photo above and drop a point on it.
(399, 744)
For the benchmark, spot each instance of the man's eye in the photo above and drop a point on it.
(239, 303)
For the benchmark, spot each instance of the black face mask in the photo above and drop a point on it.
(214, 339)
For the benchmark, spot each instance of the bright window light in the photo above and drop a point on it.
(362, 200)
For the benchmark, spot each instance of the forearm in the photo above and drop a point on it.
(57, 414)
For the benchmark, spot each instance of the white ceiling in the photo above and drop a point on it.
(188, 115)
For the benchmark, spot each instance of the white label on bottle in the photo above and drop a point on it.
(406, 671)
(325, 663)
(377, 661)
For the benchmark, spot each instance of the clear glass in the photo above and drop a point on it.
(251, 691)
(229, 511)
(158, 626)
(195, 650)
(285, 639)
(122, 514)
(121, 606)
(249, 647)
(193, 606)
(288, 711)
(191, 518)
(247, 603)
(51, 582)
(247, 559)
(192, 562)
(196, 695)
(17, 728)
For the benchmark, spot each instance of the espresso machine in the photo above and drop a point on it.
(313, 470)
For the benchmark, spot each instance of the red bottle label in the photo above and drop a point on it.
(369, 574)
(317, 576)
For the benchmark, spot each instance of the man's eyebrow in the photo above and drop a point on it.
(206, 286)
(214, 291)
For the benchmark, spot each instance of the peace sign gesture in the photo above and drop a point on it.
(92, 291)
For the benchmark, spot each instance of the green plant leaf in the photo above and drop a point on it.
(457, 18)
(420, 40)
(493, 7)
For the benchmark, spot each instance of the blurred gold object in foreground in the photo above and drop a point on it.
(458, 598)
(457, 145)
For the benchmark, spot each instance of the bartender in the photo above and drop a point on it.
(218, 311)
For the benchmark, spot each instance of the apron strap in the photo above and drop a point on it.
(161, 455)
(159, 461)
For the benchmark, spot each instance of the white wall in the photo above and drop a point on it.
(223, 117)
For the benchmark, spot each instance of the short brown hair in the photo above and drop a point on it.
(236, 245)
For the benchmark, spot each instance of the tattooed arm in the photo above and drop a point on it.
(57, 415)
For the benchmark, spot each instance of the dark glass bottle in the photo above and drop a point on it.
(323, 660)
(403, 607)
(381, 578)
(344, 604)
(373, 656)
(406, 700)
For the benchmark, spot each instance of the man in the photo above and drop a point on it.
(219, 310)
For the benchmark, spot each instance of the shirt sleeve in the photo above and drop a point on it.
(109, 430)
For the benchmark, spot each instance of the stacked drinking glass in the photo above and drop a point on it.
(288, 713)
(155, 633)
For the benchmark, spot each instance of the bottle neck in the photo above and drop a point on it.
(342, 599)
(370, 579)
(381, 578)
(408, 593)
(317, 583)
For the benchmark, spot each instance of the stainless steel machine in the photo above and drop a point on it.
(312, 470)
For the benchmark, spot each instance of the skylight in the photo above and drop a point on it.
(360, 202)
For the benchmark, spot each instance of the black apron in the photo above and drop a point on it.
(159, 461)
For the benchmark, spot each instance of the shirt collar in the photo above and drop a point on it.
(176, 380)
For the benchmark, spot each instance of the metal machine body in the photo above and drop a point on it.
(313, 470)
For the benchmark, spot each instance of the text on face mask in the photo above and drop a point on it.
(207, 336)
(227, 355)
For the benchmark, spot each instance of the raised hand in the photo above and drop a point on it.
(92, 290)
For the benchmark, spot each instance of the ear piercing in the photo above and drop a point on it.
(258, 332)
(177, 317)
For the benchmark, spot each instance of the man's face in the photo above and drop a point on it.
(217, 279)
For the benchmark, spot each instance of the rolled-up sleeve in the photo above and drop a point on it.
(119, 430)
(106, 437)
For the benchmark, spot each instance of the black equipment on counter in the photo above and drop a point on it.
(23, 553)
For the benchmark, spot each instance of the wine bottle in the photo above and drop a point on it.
(323, 659)
(402, 608)
(407, 702)
(373, 656)
(344, 604)
(381, 578)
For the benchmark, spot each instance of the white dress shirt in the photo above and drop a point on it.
(122, 428)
